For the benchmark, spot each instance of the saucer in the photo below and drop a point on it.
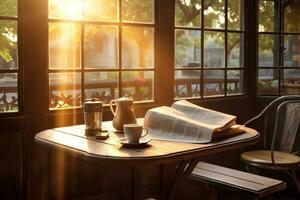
(143, 141)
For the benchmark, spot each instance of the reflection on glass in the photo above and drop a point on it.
(234, 50)
(100, 46)
(234, 82)
(64, 45)
(101, 85)
(188, 13)
(8, 8)
(292, 51)
(137, 47)
(64, 90)
(292, 16)
(8, 92)
(214, 49)
(214, 14)
(234, 15)
(187, 83)
(267, 50)
(187, 48)
(65, 9)
(213, 83)
(138, 84)
(268, 81)
(138, 11)
(266, 16)
(100, 10)
(291, 81)
(8, 44)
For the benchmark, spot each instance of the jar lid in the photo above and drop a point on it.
(92, 106)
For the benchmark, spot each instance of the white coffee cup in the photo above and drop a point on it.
(134, 132)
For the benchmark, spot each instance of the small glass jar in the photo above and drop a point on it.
(92, 117)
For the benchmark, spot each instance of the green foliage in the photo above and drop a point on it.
(138, 10)
(8, 30)
(8, 8)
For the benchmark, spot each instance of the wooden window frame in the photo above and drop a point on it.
(278, 46)
(224, 69)
(19, 67)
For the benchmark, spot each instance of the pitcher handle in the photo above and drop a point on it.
(111, 107)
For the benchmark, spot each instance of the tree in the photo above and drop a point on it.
(188, 13)
(8, 35)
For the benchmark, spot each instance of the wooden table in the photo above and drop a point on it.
(157, 152)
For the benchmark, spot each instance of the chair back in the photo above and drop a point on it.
(286, 135)
(281, 119)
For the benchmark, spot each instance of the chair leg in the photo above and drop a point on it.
(296, 180)
(211, 192)
(251, 169)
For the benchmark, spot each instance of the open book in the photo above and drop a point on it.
(187, 122)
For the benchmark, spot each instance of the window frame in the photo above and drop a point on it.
(119, 68)
(19, 68)
(280, 33)
(226, 31)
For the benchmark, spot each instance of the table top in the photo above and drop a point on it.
(73, 138)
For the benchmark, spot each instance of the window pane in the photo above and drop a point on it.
(214, 49)
(8, 92)
(138, 47)
(268, 81)
(187, 83)
(64, 90)
(8, 45)
(64, 45)
(100, 46)
(213, 83)
(188, 13)
(292, 16)
(65, 9)
(292, 51)
(234, 82)
(267, 50)
(187, 48)
(8, 8)
(101, 10)
(234, 15)
(138, 84)
(291, 81)
(101, 85)
(266, 16)
(214, 14)
(234, 50)
(138, 11)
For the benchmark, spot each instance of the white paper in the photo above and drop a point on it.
(186, 122)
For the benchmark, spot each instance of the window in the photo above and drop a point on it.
(100, 49)
(209, 46)
(279, 47)
(9, 65)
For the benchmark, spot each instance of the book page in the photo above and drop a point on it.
(204, 115)
(187, 122)
(165, 123)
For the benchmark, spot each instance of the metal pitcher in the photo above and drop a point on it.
(124, 113)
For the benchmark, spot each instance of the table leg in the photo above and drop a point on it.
(184, 170)
(133, 180)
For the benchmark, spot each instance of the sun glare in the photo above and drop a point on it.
(69, 9)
